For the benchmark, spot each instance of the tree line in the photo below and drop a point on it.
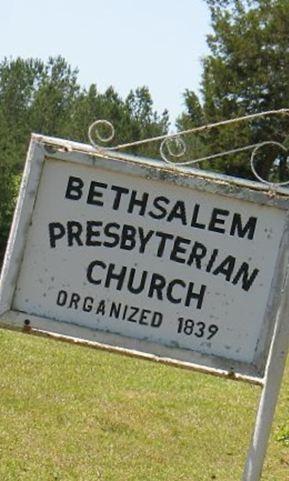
(245, 72)
(46, 98)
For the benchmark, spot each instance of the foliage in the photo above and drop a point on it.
(197, 145)
(8, 178)
(247, 71)
(133, 117)
(46, 98)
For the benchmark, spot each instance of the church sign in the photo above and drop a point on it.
(177, 265)
(152, 260)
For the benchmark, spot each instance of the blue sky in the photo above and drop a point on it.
(124, 43)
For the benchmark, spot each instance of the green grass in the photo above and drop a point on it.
(71, 413)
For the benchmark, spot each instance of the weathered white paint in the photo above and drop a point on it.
(46, 271)
(48, 274)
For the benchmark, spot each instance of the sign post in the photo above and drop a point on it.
(270, 392)
(138, 257)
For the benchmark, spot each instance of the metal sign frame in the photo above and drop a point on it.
(269, 370)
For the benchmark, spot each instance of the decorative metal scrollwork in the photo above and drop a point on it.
(253, 156)
(176, 147)
(95, 129)
(173, 146)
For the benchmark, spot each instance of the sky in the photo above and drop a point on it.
(124, 43)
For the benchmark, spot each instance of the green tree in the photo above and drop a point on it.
(46, 98)
(144, 121)
(196, 144)
(34, 97)
(56, 90)
(8, 178)
(133, 118)
(247, 71)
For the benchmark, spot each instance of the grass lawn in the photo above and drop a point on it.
(72, 413)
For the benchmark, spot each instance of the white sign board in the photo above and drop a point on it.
(145, 258)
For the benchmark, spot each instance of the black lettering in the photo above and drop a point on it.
(213, 329)
(143, 317)
(128, 237)
(119, 191)
(141, 285)
(178, 249)
(217, 220)
(158, 283)
(198, 252)
(189, 327)
(56, 232)
(144, 238)
(74, 300)
(134, 310)
(115, 310)
(92, 232)
(194, 222)
(87, 304)
(170, 288)
(61, 298)
(248, 228)
(141, 202)
(178, 212)
(212, 260)
(226, 267)
(112, 275)
(111, 235)
(243, 274)
(101, 308)
(164, 237)
(199, 296)
(74, 231)
(124, 312)
(90, 271)
(74, 188)
(157, 319)
(94, 194)
(201, 331)
(157, 203)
